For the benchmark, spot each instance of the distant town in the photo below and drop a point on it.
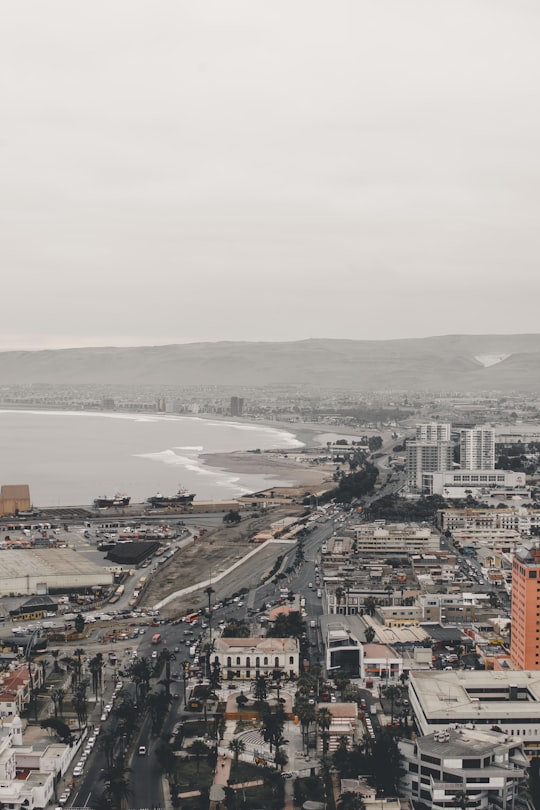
(371, 641)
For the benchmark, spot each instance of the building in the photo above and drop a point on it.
(39, 571)
(14, 498)
(433, 432)
(477, 448)
(237, 406)
(525, 642)
(344, 724)
(248, 658)
(475, 482)
(506, 698)
(485, 765)
(518, 518)
(16, 687)
(395, 539)
(422, 457)
(344, 652)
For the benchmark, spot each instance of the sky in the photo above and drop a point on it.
(177, 171)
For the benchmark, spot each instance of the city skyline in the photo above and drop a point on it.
(245, 171)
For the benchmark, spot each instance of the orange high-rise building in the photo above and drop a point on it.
(525, 644)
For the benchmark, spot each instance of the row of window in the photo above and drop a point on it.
(257, 662)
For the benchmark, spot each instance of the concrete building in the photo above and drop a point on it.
(237, 406)
(519, 518)
(247, 658)
(433, 432)
(16, 688)
(486, 765)
(477, 448)
(38, 571)
(395, 539)
(525, 642)
(422, 457)
(508, 699)
(477, 482)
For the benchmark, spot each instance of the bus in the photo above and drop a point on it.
(191, 617)
(156, 638)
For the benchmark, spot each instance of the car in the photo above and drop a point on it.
(175, 695)
(104, 716)
(177, 649)
(310, 584)
(142, 750)
(77, 771)
(154, 654)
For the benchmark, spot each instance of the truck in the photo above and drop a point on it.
(319, 593)
(156, 638)
(313, 623)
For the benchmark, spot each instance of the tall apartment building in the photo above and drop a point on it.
(433, 432)
(477, 448)
(422, 457)
(237, 406)
(525, 643)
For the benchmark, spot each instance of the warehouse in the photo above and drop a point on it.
(42, 570)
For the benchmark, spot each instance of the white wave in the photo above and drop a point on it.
(196, 449)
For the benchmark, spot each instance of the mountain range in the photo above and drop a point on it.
(450, 363)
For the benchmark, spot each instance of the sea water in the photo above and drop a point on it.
(70, 458)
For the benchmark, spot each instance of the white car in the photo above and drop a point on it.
(77, 771)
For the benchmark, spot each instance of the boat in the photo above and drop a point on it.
(182, 499)
(106, 503)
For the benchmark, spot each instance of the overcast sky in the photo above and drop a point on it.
(175, 171)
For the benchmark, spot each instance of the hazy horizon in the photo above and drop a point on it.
(245, 171)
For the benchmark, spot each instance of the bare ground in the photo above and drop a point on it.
(209, 556)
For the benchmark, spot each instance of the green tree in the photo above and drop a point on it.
(232, 518)
(370, 605)
(350, 801)
(237, 746)
(79, 624)
(369, 634)
(198, 749)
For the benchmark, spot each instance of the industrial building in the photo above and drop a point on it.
(40, 571)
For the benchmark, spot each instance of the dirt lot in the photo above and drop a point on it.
(209, 556)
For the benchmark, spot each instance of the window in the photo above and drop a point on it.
(248, 662)
(237, 660)
(229, 661)
(276, 662)
(291, 659)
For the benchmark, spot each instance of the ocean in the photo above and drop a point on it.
(70, 458)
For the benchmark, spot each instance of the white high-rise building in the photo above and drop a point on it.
(422, 457)
(433, 432)
(477, 448)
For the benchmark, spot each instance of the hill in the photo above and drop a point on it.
(506, 363)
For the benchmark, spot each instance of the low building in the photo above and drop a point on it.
(380, 661)
(487, 766)
(40, 571)
(343, 725)
(395, 539)
(507, 699)
(248, 658)
(16, 686)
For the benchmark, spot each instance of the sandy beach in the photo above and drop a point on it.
(286, 466)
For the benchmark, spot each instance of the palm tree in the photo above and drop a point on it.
(55, 654)
(79, 652)
(350, 801)
(370, 605)
(57, 697)
(369, 634)
(392, 692)
(167, 656)
(116, 784)
(238, 747)
(324, 721)
(340, 593)
(141, 673)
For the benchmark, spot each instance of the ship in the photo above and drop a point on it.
(106, 503)
(182, 500)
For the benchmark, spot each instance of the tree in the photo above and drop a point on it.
(369, 634)
(116, 784)
(237, 747)
(260, 690)
(167, 656)
(198, 749)
(232, 518)
(392, 692)
(55, 654)
(78, 653)
(79, 624)
(165, 757)
(80, 703)
(370, 605)
(57, 697)
(350, 801)
(273, 722)
(59, 727)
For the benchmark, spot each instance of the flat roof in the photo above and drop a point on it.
(44, 562)
(462, 696)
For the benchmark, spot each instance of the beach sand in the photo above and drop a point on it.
(284, 467)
